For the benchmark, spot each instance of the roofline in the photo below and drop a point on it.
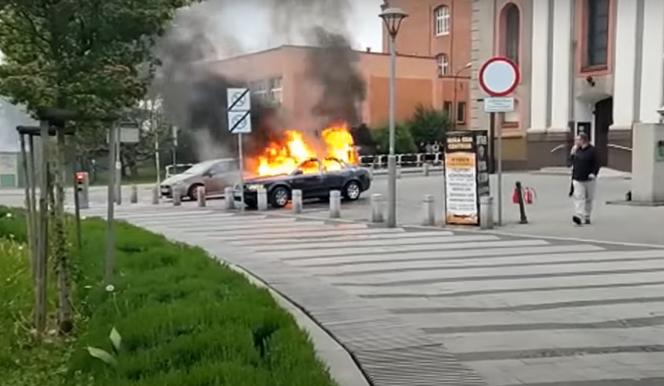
(304, 47)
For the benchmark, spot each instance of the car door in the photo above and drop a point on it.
(308, 179)
(334, 174)
(214, 180)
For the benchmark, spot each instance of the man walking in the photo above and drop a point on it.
(585, 168)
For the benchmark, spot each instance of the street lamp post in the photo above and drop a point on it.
(455, 113)
(392, 18)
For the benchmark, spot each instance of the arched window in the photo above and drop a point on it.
(442, 20)
(597, 32)
(511, 22)
(443, 62)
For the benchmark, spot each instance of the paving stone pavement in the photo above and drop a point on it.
(419, 306)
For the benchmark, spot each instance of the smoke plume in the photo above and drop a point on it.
(194, 91)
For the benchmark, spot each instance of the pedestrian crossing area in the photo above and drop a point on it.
(418, 306)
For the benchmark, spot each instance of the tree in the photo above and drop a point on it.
(428, 125)
(403, 143)
(92, 57)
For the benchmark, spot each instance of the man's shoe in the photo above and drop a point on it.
(577, 220)
(588, 222)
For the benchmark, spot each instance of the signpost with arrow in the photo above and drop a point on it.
(239, 122)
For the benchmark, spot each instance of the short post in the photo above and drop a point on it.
(522, 206)
(377, 208)
(335, 204)
(399, 172)
(177, 196)
(229, 200)
(426, 169)
(133, 198)
(486, 212)
(297, 201)
(429, 210)
(155, 195)
(261, 199)
(200, 196)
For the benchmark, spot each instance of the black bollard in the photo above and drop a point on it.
(522, 206)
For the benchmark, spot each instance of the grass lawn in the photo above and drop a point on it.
(184, 320)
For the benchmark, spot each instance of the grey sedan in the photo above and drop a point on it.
(214, 175)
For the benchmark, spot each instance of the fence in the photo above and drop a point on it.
(403, 160)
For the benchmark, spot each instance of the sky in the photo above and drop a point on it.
(365, 25)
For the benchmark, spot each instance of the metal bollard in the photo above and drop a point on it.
(426, 169)
(200, 196)
(177, 196)
(399, 172)
(429, 210)
(377, 208)
(522, 206)
(155, 195)
(335, 204)
(486, 212)
(134, 195)
(261, 197)
(297, 201)
(229, 199)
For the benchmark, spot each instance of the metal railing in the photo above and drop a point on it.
(379, 161)
(620, 147)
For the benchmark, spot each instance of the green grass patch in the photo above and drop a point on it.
(184, 319)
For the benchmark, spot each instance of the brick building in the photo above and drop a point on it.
(440, 29)
(280, 75)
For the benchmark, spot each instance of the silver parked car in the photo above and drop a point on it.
(215, 175)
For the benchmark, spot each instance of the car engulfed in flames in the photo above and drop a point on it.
(293, 149)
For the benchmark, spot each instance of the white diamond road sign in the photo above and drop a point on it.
(498, 105)
(239, 110)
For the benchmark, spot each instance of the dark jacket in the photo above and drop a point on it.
(584, 163)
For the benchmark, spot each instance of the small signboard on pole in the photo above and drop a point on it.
(239, 122)
(499, 77)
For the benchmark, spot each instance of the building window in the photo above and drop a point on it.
(597, 34)
(511, 21)
(447, 108)
(443, 62)
(461, 112)
(442, 20)
(276, 91)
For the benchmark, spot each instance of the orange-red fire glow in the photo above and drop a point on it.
(284, 156)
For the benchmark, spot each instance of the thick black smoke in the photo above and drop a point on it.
(195, 94)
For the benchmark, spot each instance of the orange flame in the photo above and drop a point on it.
(285, 156)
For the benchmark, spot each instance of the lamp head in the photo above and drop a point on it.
(392, 17)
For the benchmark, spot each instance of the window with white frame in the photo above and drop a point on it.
(443, 62)
(276, 91)
(442, 19)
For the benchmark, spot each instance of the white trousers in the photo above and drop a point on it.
(584, 194)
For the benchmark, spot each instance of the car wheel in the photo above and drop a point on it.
(352, 191)
(193, 192)
(279, 197)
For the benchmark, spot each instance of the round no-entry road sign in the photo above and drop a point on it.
(499, 76)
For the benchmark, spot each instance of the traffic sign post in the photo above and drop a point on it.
(239, 122)
(499, 77)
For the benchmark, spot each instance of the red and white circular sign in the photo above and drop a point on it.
(499, 76)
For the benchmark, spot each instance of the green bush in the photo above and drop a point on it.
(184, 320)
(428, 125)
(403, 143)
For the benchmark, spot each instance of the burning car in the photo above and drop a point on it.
(314, 177)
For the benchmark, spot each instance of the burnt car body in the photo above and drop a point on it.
(314, 178)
